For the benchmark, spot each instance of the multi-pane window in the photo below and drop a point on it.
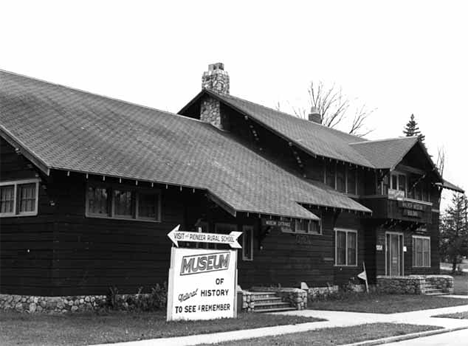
(330, 175)
(421, 251)
(18, 198)
(345, 247)
(108, 201)
(308, 226)
(398, 185)
(351, 182)
(341, 177)
(123, 203)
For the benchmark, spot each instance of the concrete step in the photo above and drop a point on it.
(274, 310)
(433, 291)
(267, 300)
(263, 295)
(268, 305)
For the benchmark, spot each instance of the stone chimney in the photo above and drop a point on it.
(314, 115)
(217, 80)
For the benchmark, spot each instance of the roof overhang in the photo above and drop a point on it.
(21, 148)
(449, 186)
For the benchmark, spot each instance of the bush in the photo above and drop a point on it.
(153, 301)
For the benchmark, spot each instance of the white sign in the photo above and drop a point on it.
(230, 238)
(202, 284)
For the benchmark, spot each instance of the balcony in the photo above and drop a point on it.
(396, 206)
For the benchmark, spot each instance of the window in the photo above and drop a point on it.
(398, 186)
(345, 247)
(341, 178)
(421, 251)
(121, 203)
(19, 198)
(308, 226)
(247, 243)
(351, 180)
(330, 176)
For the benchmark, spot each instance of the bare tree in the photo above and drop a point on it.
(440, 164)
(334, 107)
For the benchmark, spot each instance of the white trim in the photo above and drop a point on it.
(15, 184)
(346, 231)
(247, 230)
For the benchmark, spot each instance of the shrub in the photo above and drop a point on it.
(153, 301)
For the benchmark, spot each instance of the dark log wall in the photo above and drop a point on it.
(25, 242)
(93, 254)
(345, 274)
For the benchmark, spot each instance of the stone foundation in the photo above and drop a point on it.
(414, 284)
(65, 304)
(314, 293)
(38, 304)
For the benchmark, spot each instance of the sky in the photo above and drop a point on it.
(395, 57)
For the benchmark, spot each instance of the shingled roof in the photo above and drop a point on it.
(60, 128)
(314, 138)
(387, 153)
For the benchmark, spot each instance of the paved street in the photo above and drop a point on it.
(334, 319)
(456, 338)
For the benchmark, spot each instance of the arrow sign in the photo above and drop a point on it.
(230, 238)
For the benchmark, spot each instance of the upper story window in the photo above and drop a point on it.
(19, 198)
(341, 177)
(123, 203)
(398, 185)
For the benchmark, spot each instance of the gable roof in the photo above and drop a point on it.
(314, 138)
(66, 129)
(387, 153)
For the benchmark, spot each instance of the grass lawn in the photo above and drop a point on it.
(386, 304)
(335, 336)
(460, 282)
(90, 328)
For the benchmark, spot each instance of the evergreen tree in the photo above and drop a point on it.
(454, 230)
(412, 129)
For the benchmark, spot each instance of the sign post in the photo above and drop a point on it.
(202, 282)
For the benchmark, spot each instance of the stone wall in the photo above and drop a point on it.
(210, 112)
(314, 293)
(400, 284)
(245, 301)
(38, 304)
(414, 284)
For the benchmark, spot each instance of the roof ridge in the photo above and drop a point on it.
(97, 95)
(290, 115)
(384, 140)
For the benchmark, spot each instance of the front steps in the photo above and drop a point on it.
(430, 290)
(269, 302)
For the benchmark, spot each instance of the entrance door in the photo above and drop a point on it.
(394, 247)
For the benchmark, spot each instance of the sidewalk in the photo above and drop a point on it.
(334, 319)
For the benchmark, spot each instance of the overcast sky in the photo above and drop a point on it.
(399, 57)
